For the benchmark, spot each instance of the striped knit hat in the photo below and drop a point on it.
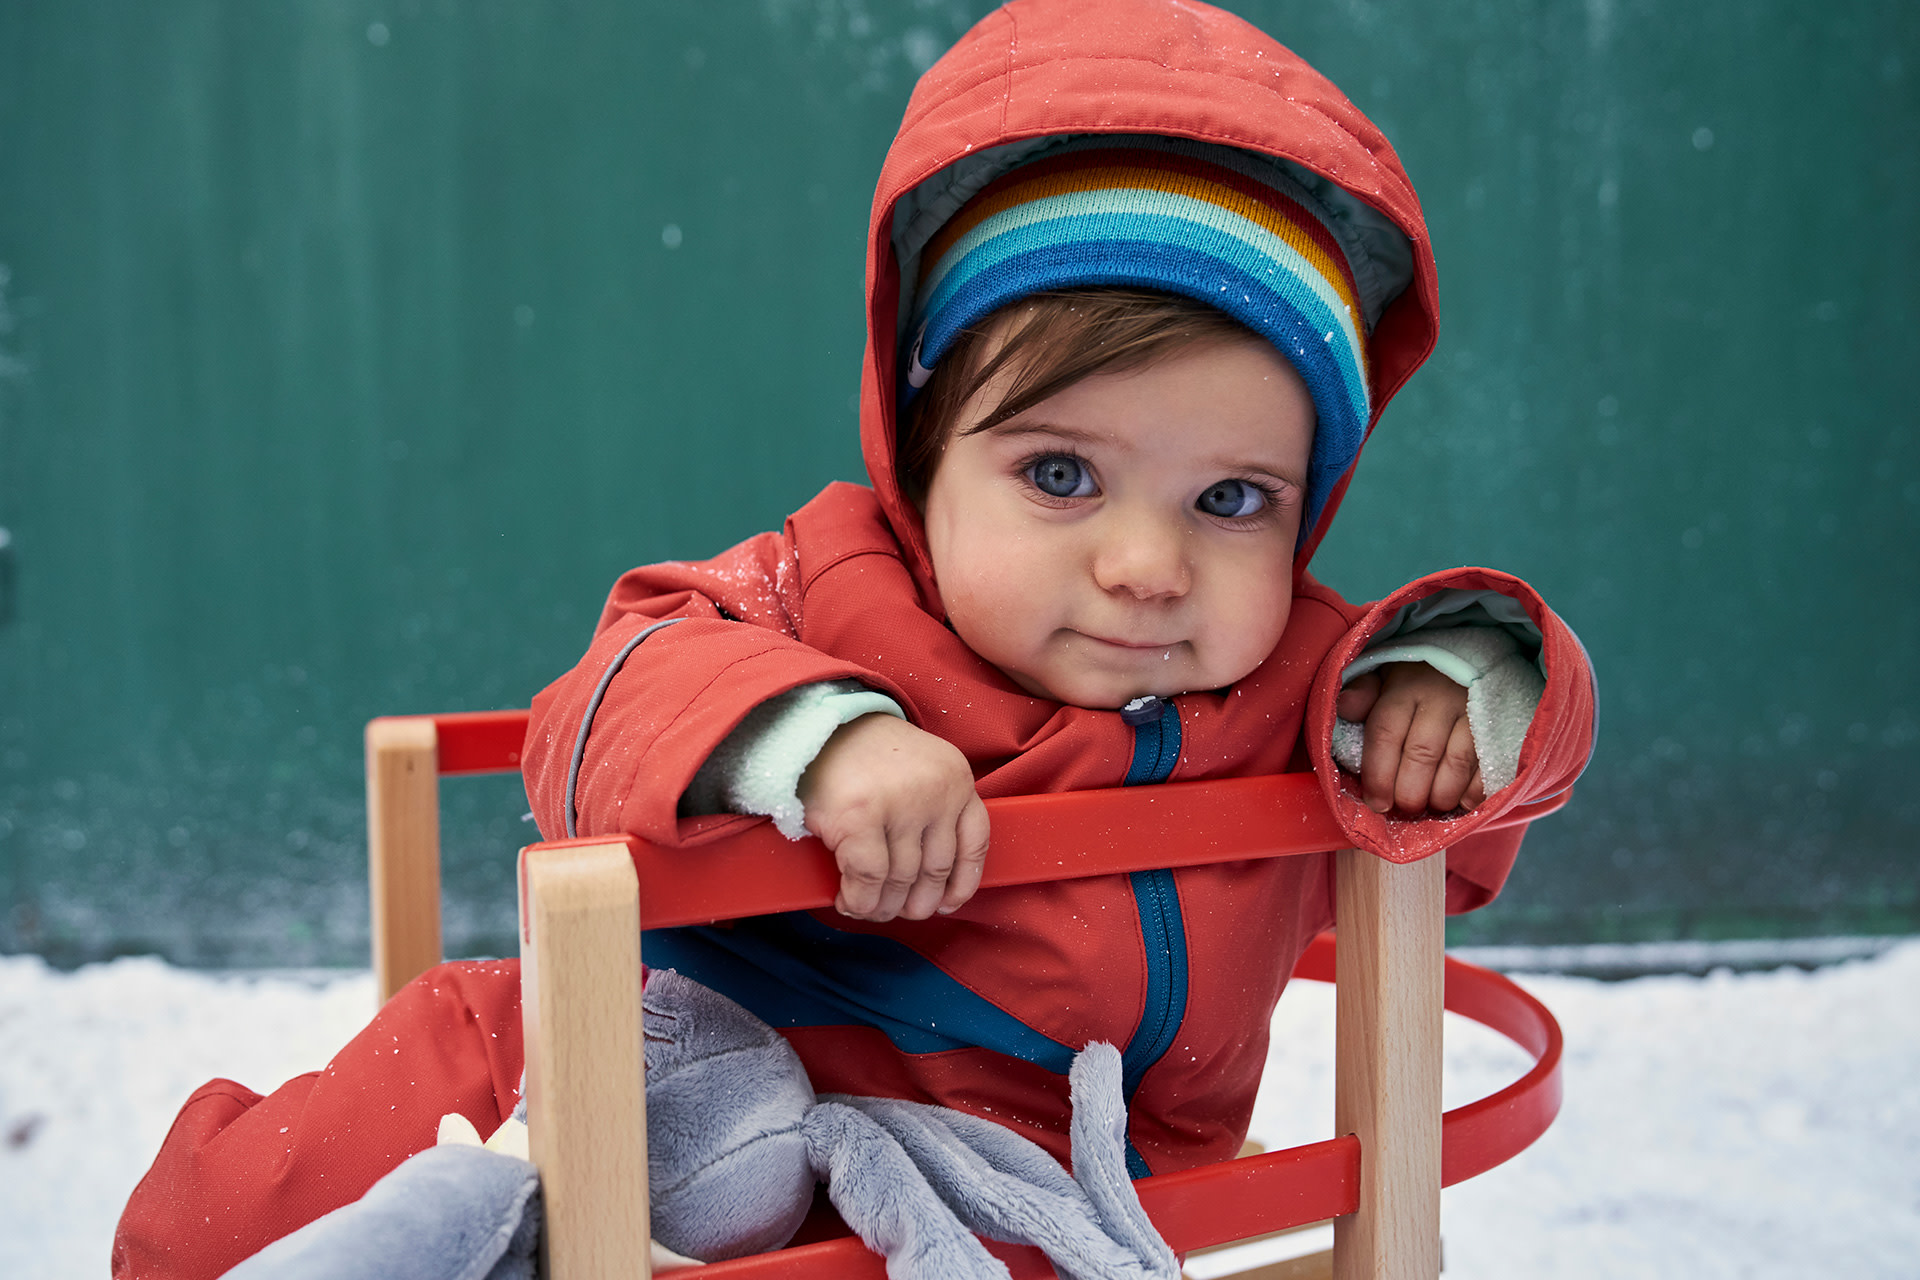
(1217, 225)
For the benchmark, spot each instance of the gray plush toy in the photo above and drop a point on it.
(736, 1140)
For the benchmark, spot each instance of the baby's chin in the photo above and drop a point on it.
(1101, 680)
(1100, 691)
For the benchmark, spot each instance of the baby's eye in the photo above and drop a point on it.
(1232, 499)
(1060, 475)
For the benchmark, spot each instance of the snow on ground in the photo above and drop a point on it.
(1758, 1125)
(94, 1064)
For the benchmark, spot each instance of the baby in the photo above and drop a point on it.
(1139, 284)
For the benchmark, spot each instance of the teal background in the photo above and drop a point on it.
(348, 351)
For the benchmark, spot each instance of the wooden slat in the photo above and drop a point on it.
(1388, 954)
(403, 849)
(586, 1095)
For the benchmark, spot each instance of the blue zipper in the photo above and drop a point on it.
(1156, 749)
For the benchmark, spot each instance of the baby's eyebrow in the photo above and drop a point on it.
(1275, 470)
(1017, 428)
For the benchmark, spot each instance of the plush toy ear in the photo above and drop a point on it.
(726, 1160)
(1000, 1185)
(874, 1183)
(1099, 1132)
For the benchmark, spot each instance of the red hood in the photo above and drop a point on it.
(1039, 68)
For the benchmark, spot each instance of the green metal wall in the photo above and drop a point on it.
(349, 350)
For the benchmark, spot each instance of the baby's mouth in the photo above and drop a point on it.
(1140, 646)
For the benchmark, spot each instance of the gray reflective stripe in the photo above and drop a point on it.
(593, 705)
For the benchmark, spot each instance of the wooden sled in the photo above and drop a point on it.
(582, 903)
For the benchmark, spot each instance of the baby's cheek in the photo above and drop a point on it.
(1252, 634)
(997, 573)
(971, 591)
(980, 611)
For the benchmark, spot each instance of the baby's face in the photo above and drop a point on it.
(1131, 535)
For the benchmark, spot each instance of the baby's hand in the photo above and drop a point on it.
(1419, 751)
(897, 807)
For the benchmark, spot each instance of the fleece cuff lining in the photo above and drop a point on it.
(757, 767)
(1503, 689)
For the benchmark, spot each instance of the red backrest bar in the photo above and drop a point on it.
(490, 742)
(480, 741)
(1060, 836)
(1035, 838)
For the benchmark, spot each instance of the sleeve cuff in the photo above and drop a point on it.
(756, 768)
(1503, 685)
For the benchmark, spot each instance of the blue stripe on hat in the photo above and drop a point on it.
(1206, 225)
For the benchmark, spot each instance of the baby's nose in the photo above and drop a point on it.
(1144, 557)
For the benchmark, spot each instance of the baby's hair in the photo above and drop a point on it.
(1056, 339)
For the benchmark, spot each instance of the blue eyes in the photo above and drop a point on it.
(1232, 499)
(1061, 475)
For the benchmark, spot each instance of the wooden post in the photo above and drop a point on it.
(403, 848)
(586, 1086)
(1389, 945)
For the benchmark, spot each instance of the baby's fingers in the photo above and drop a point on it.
(1438, 747)
(865, 858)
(971, 855)
(1386, 736)
(929, 888)
(1458, 770)
(1356, 700)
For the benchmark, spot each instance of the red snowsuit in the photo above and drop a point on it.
(982, 1009)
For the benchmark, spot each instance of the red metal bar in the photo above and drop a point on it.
(480, 741)
(490, 742)
(476, 741)
(1035, 838)
(1233, 1199)
(844, 1258)
(1061, 836)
